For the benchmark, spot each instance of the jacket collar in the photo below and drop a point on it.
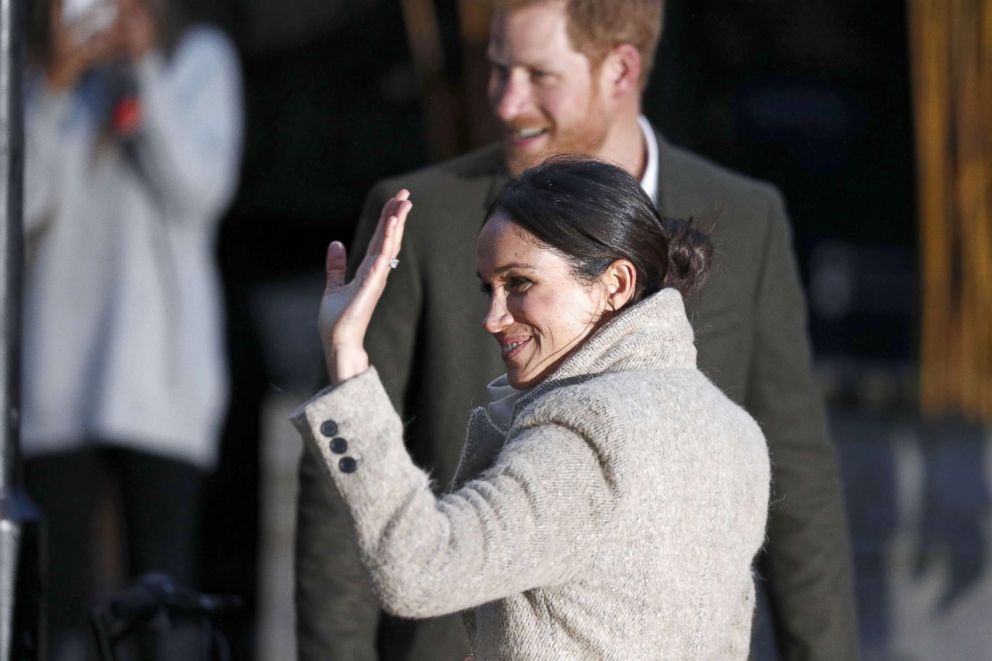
(653, 334)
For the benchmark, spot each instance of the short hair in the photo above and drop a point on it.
(594, 213)
(595, 27)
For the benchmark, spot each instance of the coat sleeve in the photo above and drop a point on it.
(807, 562)
(336, 611)
(528, 521)
(46, 133)
(190, 138)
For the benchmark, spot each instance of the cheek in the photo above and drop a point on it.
(494, 89)
(554, 316)
(534, 310)
(553, 106)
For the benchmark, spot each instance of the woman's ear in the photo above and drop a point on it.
(620, 282)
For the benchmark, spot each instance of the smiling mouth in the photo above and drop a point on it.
(526, 135)
(511, 349)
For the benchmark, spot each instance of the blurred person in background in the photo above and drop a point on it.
(133, 140)
(567, 77)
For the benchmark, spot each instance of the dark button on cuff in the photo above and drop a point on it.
(348, 465)
(339, 446)
(329, 428)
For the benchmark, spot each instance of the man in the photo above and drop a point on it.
(567, 76)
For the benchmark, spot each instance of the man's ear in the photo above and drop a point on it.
(622, 70)
(620, 281)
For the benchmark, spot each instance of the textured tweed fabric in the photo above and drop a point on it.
(616, 519)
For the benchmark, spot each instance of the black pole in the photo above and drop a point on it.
(21, 598)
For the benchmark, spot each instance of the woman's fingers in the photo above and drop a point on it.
(392, 239)
(394, 234)
(336, 264)
(390, 209)
(375, 268)
(347, 307)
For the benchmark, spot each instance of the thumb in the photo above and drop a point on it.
(336, 263)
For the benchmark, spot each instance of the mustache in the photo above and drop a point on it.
(526, 123)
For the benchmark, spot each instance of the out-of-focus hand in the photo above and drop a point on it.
(71, 54)
(346, 308)
(137, 28)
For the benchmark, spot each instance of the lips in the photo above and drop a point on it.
(524, 137)
(511, 347)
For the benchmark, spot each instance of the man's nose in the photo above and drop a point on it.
(511, 97)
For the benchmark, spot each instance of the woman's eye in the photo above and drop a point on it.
(519, 284)
(486, 288)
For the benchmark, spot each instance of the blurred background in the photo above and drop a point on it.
(872, 116)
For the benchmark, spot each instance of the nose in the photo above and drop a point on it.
(498, 317)
(508, 95)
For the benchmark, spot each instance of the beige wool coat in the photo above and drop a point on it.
(616, 519)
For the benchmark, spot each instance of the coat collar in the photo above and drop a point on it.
(652, 334)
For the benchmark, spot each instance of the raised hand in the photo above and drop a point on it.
(346, 308)
(74, 49)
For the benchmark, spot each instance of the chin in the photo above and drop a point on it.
(522, 382)
(516, 382)
(517, 161)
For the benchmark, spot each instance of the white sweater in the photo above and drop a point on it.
(123, 313)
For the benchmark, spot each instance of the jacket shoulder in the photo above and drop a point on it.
(479, 165)
(692, 185)
(610, 399)
(691, 166)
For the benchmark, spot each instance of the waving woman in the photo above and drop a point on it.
(609, 499)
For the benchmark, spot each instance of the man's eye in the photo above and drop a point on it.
(539, 75)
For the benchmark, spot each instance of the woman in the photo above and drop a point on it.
(610, 500)
(133, 138)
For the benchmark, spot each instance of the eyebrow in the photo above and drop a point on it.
(492, 57)
(509, 267)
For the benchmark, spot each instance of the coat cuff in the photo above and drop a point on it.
(356, 435)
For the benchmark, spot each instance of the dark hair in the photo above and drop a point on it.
(594, 213)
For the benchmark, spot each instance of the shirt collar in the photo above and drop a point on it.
(649, 182)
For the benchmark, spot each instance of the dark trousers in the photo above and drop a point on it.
(155, 502)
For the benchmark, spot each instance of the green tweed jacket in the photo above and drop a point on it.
(434, 359)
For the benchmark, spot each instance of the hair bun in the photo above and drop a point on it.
(690, 252)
